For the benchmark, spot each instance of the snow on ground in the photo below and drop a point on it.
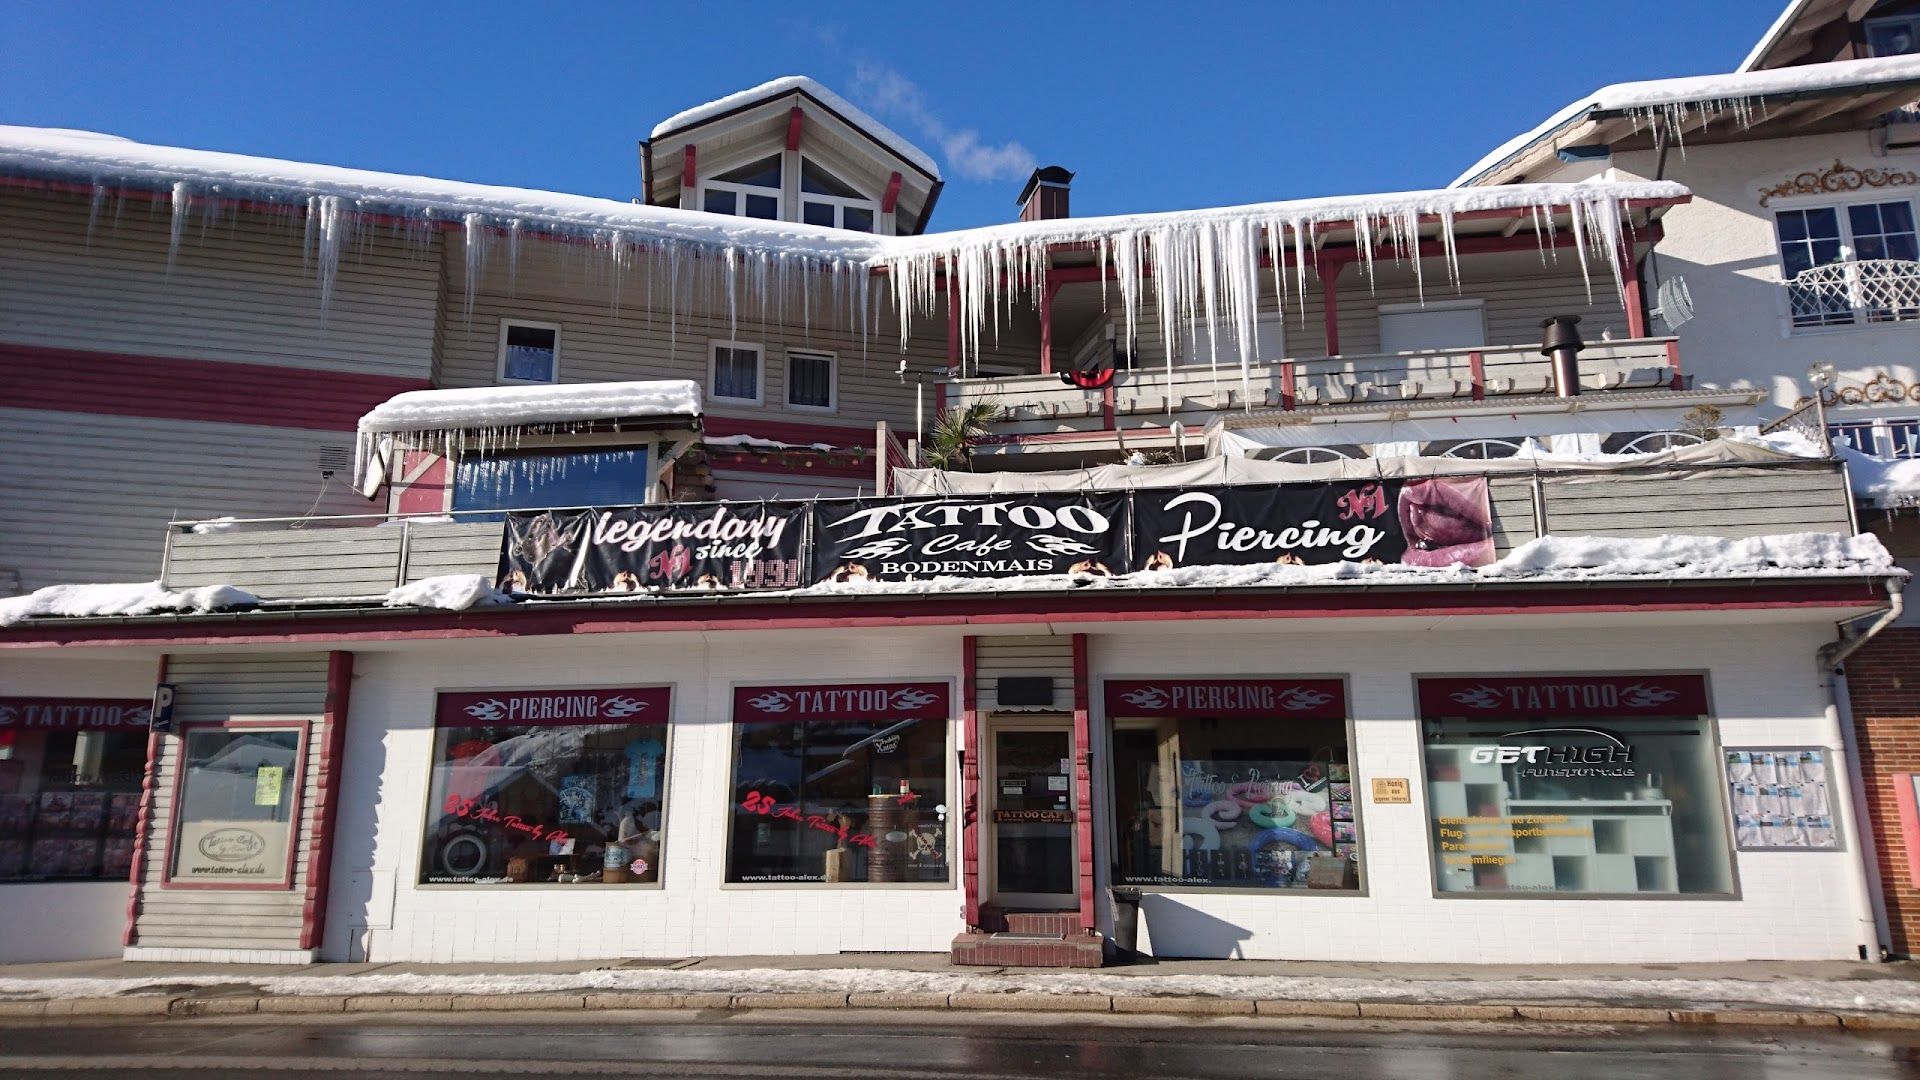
(510, 406)
(134, 598)
(787, 83)
(1878, 995)
(448, 592)
(1734, 92)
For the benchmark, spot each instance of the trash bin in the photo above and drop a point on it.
(1126, 921)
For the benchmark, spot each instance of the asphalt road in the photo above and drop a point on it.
(906, 1046)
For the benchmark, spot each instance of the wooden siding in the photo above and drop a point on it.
(1730, 501)
(254, 687)
(238, 289)
(606, 337)
(1000, 657)
(87, 497)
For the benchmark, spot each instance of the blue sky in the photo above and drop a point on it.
(1155, 106)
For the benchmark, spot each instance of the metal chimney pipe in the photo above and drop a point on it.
(1562, 346)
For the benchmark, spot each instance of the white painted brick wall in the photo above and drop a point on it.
(1792, 905)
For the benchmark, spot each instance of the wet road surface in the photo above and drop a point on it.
(908, 1046)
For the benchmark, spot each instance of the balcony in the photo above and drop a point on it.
(337, 561)
(1042, 403)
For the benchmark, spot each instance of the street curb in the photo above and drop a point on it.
(164, 1006)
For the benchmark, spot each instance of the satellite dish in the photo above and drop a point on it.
(1676, 303)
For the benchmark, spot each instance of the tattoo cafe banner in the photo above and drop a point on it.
(1436, 521)
(1028, 534)
(630, 548)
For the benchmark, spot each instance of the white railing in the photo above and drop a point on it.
(1846, 293)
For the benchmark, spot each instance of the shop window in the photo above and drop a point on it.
(542, 479)
(1248, 786)
(810, 382)
(734, 373)
(69, 802)
(529, 352)
(547, 786)
(233, 822)
(1574, 796)
(837, 796)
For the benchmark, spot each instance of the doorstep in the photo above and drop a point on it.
(1029, 949)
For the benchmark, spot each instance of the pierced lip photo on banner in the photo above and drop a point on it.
(1446, 520)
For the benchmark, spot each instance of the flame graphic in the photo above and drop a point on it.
(489, 710)
(772, 701)
(621, 707)
(1641, 696)
(1480, 697)
(885, 547)
(912, 699)
(1147, 697)
(1049, 544)
(1299, 698)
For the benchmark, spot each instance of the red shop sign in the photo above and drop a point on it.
(841, 701)
(551, 708)
(74, 714)
(1298, 699)
(1530, 696)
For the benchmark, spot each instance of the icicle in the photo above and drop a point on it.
(182, 207)
(476, 241)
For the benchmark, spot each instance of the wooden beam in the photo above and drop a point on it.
(1329, 271)
(686, 169)
(795, 120)
(1874, 108)
(1047, 289)
(892, 198)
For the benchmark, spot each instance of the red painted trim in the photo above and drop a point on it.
(1109, 407)
(953, 326)
(1679, 381)
(1047, 289)
(1909, 823)
(1329, 270)
(1477, 364)
(1082, 783)
(961, 609)
(892, 198)
(149, 777)
(305, 728)
(768, 462)
(796, 119)
(790, 432)
(688, 177)
(177, 388)
(970, 779)
(1630, 281)
(1288, 385)
(326, 807)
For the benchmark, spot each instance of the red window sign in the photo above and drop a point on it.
(1301, 699)
(1529, 696)
(74, 714)
(841, 701)
(549, 708)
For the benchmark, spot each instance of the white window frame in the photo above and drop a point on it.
(833, 380)
(741, 191)
(840, 203)
(1473, 302)
(1848, 254)
(1492, 440)
(759, 371)
(500, 361)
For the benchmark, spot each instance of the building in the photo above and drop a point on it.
(1322, 575)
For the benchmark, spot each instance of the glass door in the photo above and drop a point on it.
(1032, 819)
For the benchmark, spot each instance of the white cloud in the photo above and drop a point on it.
(892, 94)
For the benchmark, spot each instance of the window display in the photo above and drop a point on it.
(840, 784)
(1583, 785)
(236, 806)
(547, 786)
(1241, 784)
(70, 776)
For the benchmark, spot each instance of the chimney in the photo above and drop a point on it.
(1045, 196)
(1563, 346)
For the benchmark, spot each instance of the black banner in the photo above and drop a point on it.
(631, 548)
(1029, 534)
(1436, 521)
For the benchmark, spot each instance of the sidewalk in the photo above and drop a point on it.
(1828, 994)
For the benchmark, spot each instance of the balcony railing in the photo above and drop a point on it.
(1493, 371)
(361, 558)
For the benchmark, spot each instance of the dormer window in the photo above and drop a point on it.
(751, 190)
(827, 200)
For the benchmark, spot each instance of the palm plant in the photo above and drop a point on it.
(955, 431)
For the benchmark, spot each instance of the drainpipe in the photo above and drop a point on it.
(1859, 839)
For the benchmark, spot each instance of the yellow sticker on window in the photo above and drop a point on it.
(266, 785)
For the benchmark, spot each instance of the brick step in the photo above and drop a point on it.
(1064, 923)
(1028, 950)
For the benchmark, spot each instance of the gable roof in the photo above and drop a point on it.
(825, 98)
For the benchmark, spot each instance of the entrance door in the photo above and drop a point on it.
(1031, 824)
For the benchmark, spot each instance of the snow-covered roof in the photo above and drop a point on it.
(1781, 24)
(519, 406)
(1731, 92)
(787, 84)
